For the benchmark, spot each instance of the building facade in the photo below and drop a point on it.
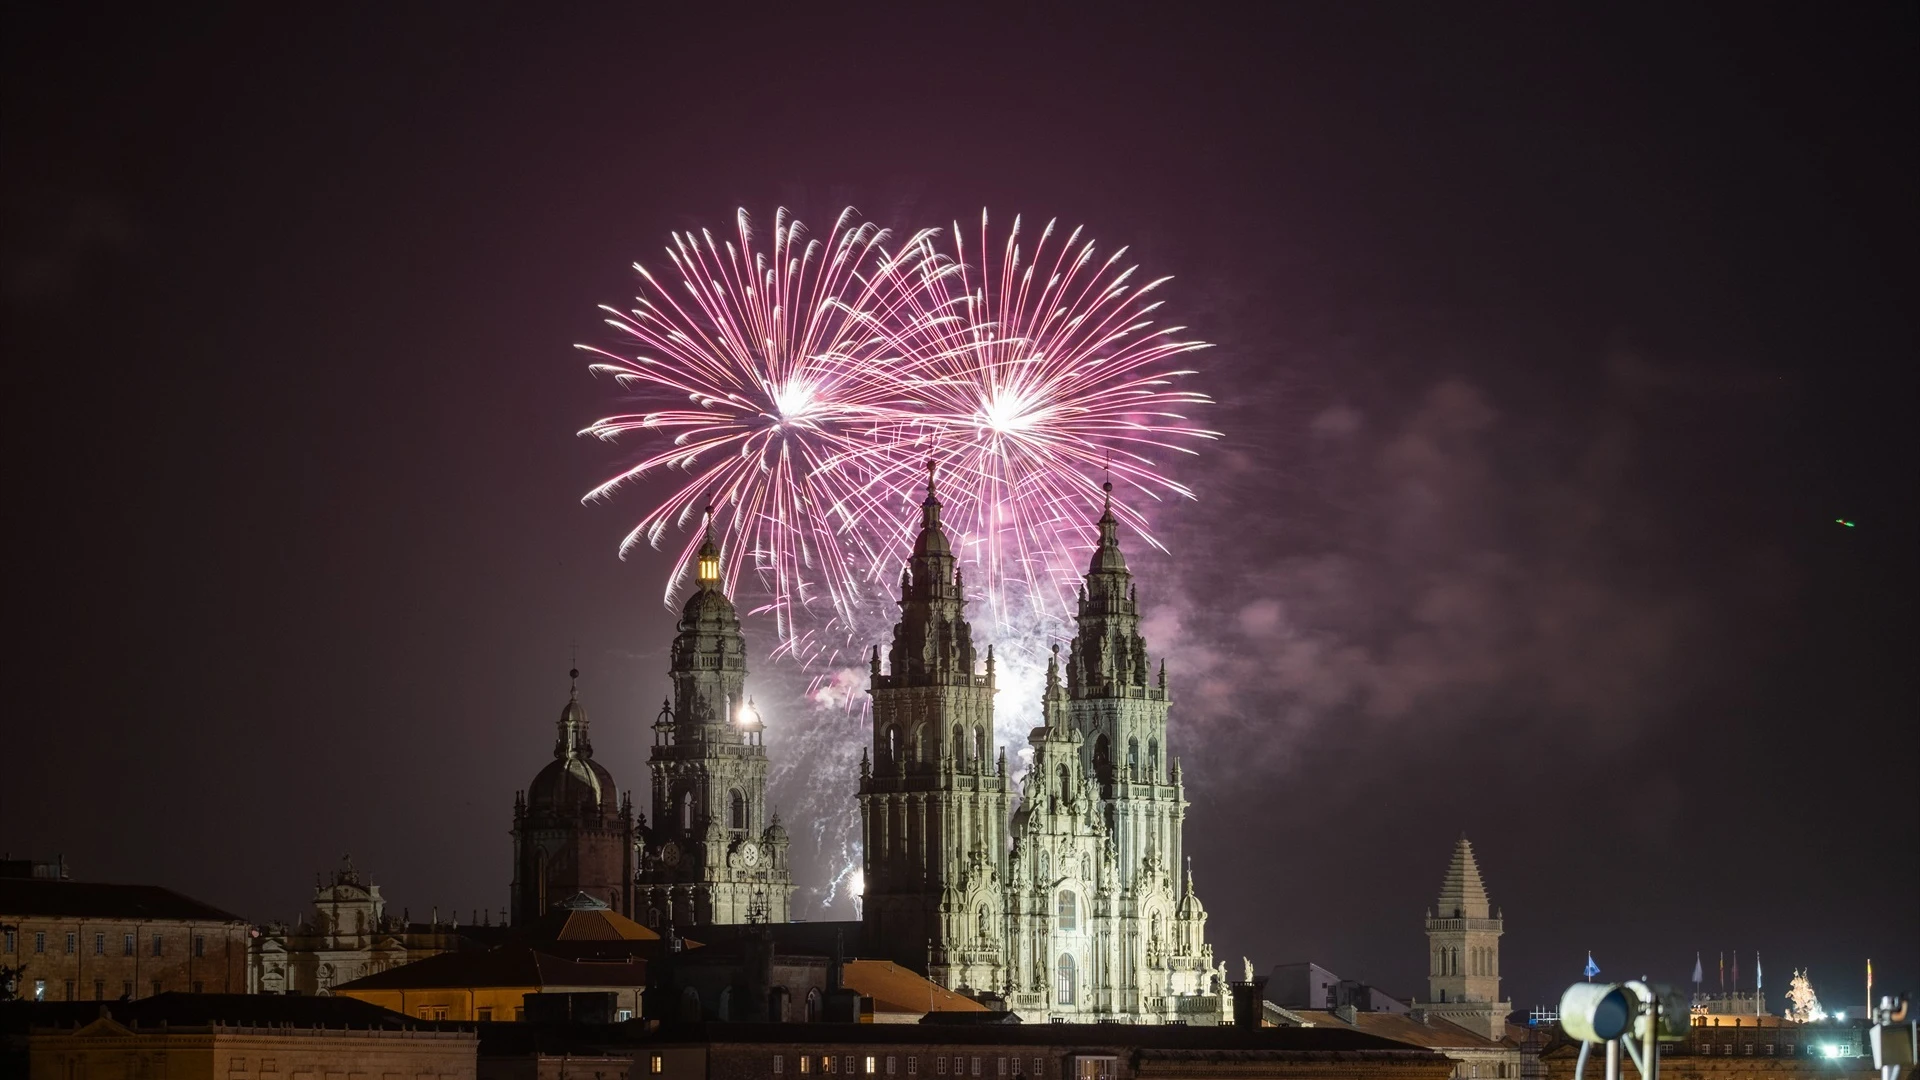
(349, 935)
(87, 941)
(572, 832)
(1074, 906)
(711, 853)
(1463, 953)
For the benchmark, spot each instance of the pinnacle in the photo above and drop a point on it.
(1462, 893)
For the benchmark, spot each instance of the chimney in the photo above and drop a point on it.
(1249, 999)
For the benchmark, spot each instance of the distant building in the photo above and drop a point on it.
(579, 946)
(1748, 1047)
(1463, 956)
(572, 832)
(711, 854)
(1307, 985)
(1475, 1056)
(89, 941)
(231, 1036)
(350, 935)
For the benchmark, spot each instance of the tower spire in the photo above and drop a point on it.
(707, 568)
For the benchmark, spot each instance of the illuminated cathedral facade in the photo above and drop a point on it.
(1068, 900)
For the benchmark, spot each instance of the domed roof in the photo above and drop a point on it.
(1106, 555)
(572, 779)
(932, 539)
(708, 608)
(567, 782)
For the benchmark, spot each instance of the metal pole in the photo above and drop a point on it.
(1613, 1059)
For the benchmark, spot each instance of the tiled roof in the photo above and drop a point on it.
(1435, 1033)
(898, 990)
(506, 966)
(200, 1010)
(31, 897)
(591, 924)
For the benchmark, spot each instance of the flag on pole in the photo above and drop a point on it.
(1723, 972)
(1756, 970)
(1736, 971)
(1697, 973)
(1592, 968)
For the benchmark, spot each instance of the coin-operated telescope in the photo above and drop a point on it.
(1895, 1037)
(1635, 1015)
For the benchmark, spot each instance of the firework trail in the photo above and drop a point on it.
(766, 374)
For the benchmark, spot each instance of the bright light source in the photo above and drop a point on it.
(1831, 1050)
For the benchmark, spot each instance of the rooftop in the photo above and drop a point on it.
(54, 898)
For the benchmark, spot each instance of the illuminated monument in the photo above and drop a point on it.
(710, 854)
(1080, 911)
(1463, 955)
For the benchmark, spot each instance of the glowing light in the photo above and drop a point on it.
(1844, 521)
(1830, 1049)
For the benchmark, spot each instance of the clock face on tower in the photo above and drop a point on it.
(670, 853)
(749, 854)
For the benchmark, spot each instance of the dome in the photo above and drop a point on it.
(569, 781)
(708, 608)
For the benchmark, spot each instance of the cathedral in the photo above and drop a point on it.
(1064, 895)
(1072, 905)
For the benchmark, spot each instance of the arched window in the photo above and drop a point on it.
(725, 1007)
(1066, 785)
(1063, 980)
(1153, 760)
(979, 745)
(893, 742)
(813, 1005)
(737, 811)
(686, 811)
(653, 917)
(1066, 911)
(1133, 756)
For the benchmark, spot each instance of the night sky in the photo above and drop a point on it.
(1550, 345)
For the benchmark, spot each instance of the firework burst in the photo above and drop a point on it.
(1038, 375)
(765, 371)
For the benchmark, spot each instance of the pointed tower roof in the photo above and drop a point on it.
(572, 779)
(1106, 556)
(708, 608)
(932, 539)
(1462, 894)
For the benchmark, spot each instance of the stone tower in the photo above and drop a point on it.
(1463, 946)
(1103, 926)
(933, 794)
(569, 835)
(711, 854)
(1120, 706)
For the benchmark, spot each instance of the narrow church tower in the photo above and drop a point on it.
(1463, 939)
(571, 833)
(1120, 706)
(711, 854)
(933, 797)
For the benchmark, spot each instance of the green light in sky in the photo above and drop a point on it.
(1844, 521)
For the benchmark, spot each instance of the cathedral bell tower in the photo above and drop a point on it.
(933, 796)
(1463, 954)
(711, 853)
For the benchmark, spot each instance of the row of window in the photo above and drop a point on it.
(100, 989)
(872, 1065)
(127, 942)
(1726, 1049)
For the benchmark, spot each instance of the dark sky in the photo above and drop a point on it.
(1550, 345)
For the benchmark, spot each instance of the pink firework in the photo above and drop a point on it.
(767, 374)
(1036, 376)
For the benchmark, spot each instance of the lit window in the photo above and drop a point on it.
(655, 1065)
(1063, 978)
(1067, 913)
(39, 989)
(870, 1069)
(806, 1064)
